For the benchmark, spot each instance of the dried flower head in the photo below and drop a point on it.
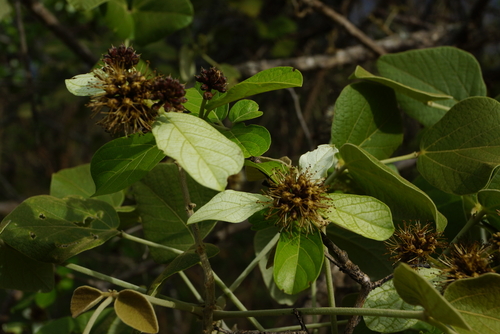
(495, 241)
(211, 79)
(297, 199)
(466, 260)
(413, 243)
(122, 56)
(170, 93)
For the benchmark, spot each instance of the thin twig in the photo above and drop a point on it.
(62, 32)
(300, 117)
(343, 21)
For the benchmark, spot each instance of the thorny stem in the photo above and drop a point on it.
(200, 250)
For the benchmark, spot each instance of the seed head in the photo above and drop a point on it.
(124, 57)
(466, 260)
(170, 93)
(297, 199)
(413, 243)
(211, 79)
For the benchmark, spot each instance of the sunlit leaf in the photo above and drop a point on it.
(459, 153)
(265, 81)
(123, 161)
(363, 215)
(244, 110)
(49, 229)
(254, 140)
(298, 261)
(136, 311)
(318, 161)
(83, 85)
(478, 301)
(230, 206)
(208, 156)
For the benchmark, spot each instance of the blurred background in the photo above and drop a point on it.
(44, 128)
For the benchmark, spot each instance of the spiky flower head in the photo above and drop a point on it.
(211, 79)
(466, 260)
(296, 200)
(169, 93)
(122, 56)
(414, 243)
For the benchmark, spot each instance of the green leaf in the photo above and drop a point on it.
(208, 156)
(257, 171)
(136, 311)
(119, 19)
(317, 162)
(45, 299)
(84, 298)
(367, 115)
(478, 301)
(244, 110)
(230, 206)
(386, 297)
(443, 70)
(59, 326)
(19, 272)
(123, 161)
(363, 215)
(83, 85)
(370, 255)
(77, 181)
(253, 140)
(49, 229)
(422, 96)
(194, 100)
(459, 153)
(265, 81)
(416, 290)
(405, 200)
(156, 19)
(298, 261)
(161, 206)
(182, 262)
(490, 202)
(86, 4)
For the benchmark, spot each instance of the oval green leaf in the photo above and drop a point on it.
(83, 299)
(298, 261)
(194, 100)
(265, 81)
(230, 206)
(407, 202)
(244, 110)
(490, 202)
(367, 115)
(416, 290)
(49, 229)
(83, 85)
(478, 301)
(363, 215)
(136, 311)
(459, 153)
(253, 140)
(123, 161)
(208, 156)
(442, 70)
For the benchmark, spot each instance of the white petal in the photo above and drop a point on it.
(318, 162)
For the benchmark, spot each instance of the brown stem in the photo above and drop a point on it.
(343, 21)
(62, 32)
(208, 281)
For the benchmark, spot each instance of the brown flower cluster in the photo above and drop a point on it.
(414, 243)
(296, 200)
(211, 79)
(128, 95)
(467, 260)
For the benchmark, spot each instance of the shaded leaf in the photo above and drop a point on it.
(83, 299)
(478, 301)
(363, 215)
(257, 171)
(123, 161)
(490, 202)
(49, 229)
(244, 110)
(19, 272)
(230, 206)
(459, 153)
(86, 4)
(77, 181)
(298, 261)
(265, 81)
(253, 140)
(208, 156)
(136, 311)
(442, 70)
(367, 115)
(119, 19)
(416, 290)
(161, 207)
(405, 200)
